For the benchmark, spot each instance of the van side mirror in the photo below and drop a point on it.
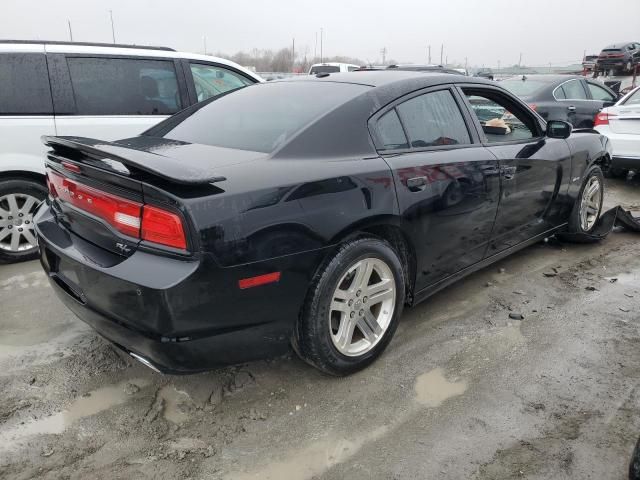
(558, 129)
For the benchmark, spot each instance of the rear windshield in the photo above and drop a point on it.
(618, 50)
(259, 118)
(324, 69)
(523, 88)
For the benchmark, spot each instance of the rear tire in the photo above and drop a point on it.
(18, 201)
(352, 308)
(588, 206)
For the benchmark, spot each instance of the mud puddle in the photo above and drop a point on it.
(94, 402)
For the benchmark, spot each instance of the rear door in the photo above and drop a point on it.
(534, 169)
(446, 181)
(114, 97)
(26, 109)
(581, 109)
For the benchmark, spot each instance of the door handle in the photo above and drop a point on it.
(571, 108)
(417, 184)
(508, 173)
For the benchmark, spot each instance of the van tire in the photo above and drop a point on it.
(23, 192)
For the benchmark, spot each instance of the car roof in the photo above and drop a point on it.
(378, 78)
(85, 48)
(333, 64)
(618, 45)
(545, 77)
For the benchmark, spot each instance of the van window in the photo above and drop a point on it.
(116, 86)
(24, 84)
(211, 80)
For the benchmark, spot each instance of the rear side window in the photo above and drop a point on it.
(260, 118)
(434, 119)
(391, 133)
(116, 86)
(633, 99)
(24, 84)
(324, 69)
(573, 90)
(211, 80)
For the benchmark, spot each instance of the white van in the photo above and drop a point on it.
(332, 67)
(86, 90)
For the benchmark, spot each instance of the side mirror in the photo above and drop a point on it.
(558, 129)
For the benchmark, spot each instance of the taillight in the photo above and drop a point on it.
(165, 228)
(602, 118)
(121, 213)
(129, 217)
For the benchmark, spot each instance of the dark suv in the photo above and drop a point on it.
(622, 57)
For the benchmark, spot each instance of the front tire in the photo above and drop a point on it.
(18, 201)
(588, 206)
(352, 309)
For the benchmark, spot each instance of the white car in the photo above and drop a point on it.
(332, 67)
(621, 123)
(87, 90)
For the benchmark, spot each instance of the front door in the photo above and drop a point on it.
(446, 181)
(534, 169)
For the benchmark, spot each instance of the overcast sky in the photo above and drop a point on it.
(485, 31)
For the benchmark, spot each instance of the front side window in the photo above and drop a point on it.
(211, 80)
(24, 84)
(116, 86)
(573, 90)
(599, 93)
(500, 121)
(433, 119)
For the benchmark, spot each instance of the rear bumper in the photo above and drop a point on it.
(179, 315)
(180, 357)
(627, 163)
(608, 63)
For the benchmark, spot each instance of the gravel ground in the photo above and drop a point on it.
(463, 391)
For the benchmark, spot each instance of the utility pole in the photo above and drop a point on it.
(315, 48)
(441, 53)
(465, 64)
(293, 56)
(429, 62)
(321, 51)
(520, 60)
(446, 60)
(113, 31)
(384, 55)
(70, 32)
(204, 41)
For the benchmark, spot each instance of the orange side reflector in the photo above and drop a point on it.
(259, 280)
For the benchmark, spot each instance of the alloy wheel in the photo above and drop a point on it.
(362, 307)
(590, 203)
(16, 222)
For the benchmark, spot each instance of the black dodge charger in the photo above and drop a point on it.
(305, 212)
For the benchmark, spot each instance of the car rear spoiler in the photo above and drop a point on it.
(167, 168)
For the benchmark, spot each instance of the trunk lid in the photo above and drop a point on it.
(625, 119)
(119, 195)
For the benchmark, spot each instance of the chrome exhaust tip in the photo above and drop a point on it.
(145, 362)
